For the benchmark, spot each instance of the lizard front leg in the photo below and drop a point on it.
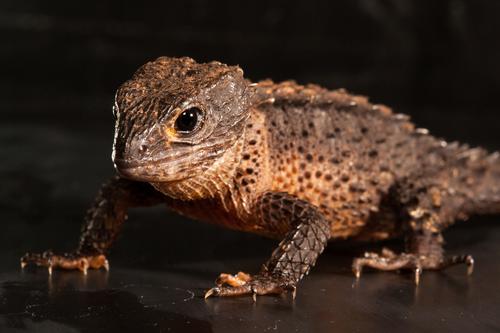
(101, 227)
(307, 232)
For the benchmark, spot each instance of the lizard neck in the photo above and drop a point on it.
(252, 176)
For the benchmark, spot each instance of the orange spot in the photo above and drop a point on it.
(170, 132)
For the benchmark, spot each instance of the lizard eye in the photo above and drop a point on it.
(188, 120)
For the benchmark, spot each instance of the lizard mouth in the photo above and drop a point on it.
(122, 164)
(162, 170)
(169, 166)
(135, 171)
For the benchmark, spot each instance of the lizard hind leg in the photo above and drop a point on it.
(424, 252)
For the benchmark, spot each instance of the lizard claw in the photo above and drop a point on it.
(214, 291)
(49, 267)
(106, 265)
(294, 292)
(418, 273)
(469, 261)
(357, 268)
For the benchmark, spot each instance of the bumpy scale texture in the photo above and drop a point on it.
(302, 164)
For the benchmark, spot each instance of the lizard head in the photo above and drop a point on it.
(175, 118)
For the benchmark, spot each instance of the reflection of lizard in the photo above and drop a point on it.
(298, 163)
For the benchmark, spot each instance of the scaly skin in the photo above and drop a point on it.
(297, 163)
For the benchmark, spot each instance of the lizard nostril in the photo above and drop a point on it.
(143, 148)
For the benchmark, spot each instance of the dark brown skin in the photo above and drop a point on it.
(297, 163)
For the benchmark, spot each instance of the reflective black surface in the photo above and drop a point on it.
(60, 64)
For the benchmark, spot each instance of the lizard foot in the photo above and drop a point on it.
(68, 261)
(243, 284)
(390, 261)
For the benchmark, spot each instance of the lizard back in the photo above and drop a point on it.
(340, 153)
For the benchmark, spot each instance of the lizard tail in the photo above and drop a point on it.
(480, 180)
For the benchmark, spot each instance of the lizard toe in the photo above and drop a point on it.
(67, 261)
(388, 261)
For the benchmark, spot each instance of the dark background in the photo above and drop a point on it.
(60, 63)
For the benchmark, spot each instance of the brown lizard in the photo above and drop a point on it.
(298, 163)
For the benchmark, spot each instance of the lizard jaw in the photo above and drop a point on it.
(155, 171)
